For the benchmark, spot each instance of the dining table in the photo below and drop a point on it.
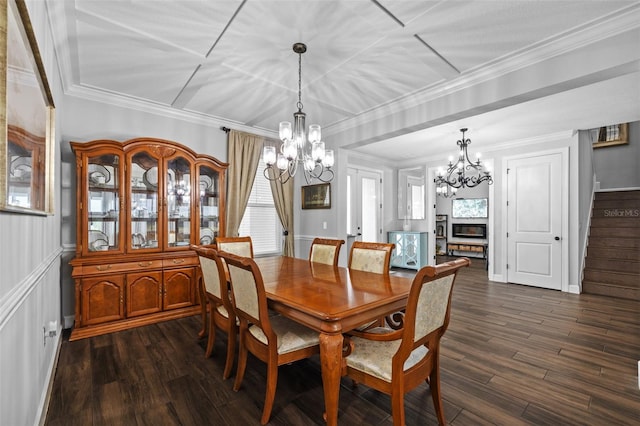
(331, 300)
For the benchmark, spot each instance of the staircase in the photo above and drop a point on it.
(612, 265)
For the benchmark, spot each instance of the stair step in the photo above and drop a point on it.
(616, 222)
(615, 206)
(615, 232)
(614, 242)
(617, 195)
(613, 265)
(612, 277)
(615, 252)
(591, 287)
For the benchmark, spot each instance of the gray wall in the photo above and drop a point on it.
(618, 166)
(30, 283)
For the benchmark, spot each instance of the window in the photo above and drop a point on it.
(260, 219)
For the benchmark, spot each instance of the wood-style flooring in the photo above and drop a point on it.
(513, 355)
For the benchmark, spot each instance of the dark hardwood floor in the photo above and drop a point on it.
(512, 355)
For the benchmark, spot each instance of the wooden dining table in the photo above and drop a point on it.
(331, 300)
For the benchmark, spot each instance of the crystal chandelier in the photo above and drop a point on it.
(463, 173)
(299, 147)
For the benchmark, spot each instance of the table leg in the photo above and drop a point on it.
(331, 364)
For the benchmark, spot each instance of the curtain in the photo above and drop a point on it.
(244, 154)
(283, 201)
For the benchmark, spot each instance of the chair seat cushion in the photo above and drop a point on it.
(374, 357)
(223, 311)
(291, 335)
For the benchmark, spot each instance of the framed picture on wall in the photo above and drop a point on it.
(616, 134)
(316, 196)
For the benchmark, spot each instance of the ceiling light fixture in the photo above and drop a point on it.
(297, 146)
(463, 173)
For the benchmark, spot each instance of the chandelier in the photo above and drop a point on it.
(463, 173)
(299, 147)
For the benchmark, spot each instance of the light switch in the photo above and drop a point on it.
(324, 225)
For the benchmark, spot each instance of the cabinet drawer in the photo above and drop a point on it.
(180, 261)
(121, 267)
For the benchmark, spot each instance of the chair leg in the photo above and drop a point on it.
(211, 339)
(272, 381)
(231, 350)
(397, 407)
(434, 383)
(242, 364)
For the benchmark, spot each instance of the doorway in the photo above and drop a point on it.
(364, 206)
(535, 212)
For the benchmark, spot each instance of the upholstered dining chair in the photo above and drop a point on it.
(324, 250)
(396, 361)
(370, 257)
(241, 246)
(221, 313)
(275, 340)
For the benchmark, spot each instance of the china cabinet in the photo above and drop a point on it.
(411, 249)
(140, 204)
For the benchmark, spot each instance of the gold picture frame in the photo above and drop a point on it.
(316, 196)
(616, 134)
(26, 117)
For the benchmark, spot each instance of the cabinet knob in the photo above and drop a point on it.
(103, 267)
(178, 261)
(144, 264)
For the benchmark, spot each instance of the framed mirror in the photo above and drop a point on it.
(26, 117)
(411, 193)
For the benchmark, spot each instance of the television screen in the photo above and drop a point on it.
(469, 208)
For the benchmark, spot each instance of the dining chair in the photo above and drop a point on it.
(371, 257)
(241, 246)
(324, 250)
(221, 313)
(275, 340)
(396, 361)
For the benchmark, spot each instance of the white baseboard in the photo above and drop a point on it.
(51, 375)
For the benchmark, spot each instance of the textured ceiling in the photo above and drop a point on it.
(465, 63)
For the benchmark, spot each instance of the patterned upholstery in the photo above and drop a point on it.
(374, 358)
(325, 250)
(432, 306)
(245, 296)
(291, 335)
(321, 253)
(210, 276)
(240, 248)
(367, 260)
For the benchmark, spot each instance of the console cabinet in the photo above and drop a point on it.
(411, 249)
(140, 204)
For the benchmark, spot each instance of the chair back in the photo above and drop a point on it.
(248, 297)
(429, 305)
(241, 246)
(370, 257)
(325, 251)
(213, 273)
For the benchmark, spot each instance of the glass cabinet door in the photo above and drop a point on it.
(209, 203)
(143, 181)
(178, 187)
(103, 174)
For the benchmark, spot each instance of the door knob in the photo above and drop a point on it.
(557, 238)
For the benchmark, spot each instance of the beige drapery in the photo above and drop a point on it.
(244, 151)
(283, 200)
(244, 155)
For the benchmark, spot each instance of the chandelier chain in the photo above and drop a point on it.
(299, 82)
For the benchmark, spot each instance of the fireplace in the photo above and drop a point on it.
(469, 230)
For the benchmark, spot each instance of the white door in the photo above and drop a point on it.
(534, 216)
(364, 205)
